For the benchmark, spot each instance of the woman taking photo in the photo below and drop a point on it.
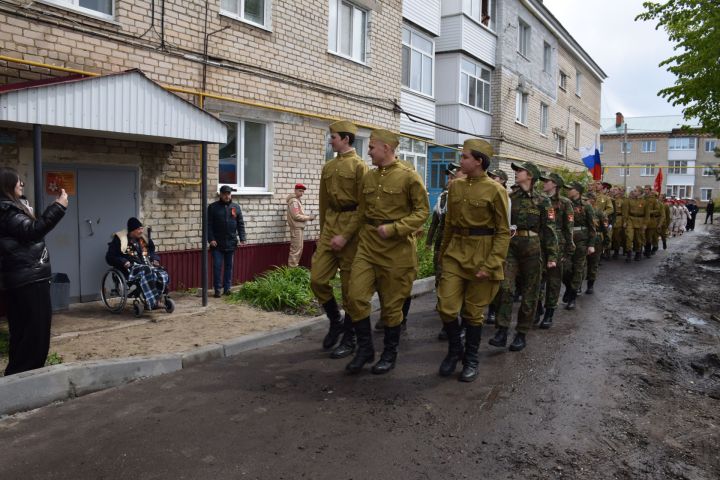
(25, 272)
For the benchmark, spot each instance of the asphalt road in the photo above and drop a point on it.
(554, 410)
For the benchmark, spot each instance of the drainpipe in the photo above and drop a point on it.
(204, 226)
(37, 168)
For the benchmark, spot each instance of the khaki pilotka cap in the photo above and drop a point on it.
(385, 136)
(499, 174)
(343, 126)
(479, 146)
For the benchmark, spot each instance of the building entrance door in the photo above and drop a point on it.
(103, 201)
(440, 158)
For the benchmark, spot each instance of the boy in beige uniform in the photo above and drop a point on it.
(296, 220)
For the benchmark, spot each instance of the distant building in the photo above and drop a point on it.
(685, 156)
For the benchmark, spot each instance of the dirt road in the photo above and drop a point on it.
(625, 387)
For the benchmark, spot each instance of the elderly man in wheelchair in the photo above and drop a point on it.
(136, 272)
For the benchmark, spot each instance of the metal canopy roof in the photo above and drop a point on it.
(125, 105)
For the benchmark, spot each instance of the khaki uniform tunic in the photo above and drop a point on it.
(636, 215)
(393, 196)
(476, 237)
(340, 189)
(296, 219)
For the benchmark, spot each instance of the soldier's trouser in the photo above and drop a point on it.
(593, 262)
(576, 269)
(618, 235)
(652, 233)
(437, 266)
(456, 293)
(663, 231)
(634, 234)
(297, 236)
(524, 260)
(553, 282)
(393, 285)
(325, 264)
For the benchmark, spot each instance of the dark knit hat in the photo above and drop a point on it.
(133, 224)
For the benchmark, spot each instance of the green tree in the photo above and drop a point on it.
(694, 28)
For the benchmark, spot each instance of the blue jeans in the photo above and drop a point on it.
(220, 258)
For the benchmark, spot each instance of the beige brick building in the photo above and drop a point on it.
(279, 70)
(686, 157)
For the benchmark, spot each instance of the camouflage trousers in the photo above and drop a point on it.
(524, 260)
(593, 263)
(575, 272)
(554, 280)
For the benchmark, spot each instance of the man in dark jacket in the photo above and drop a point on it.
(709, 210)
(225, 225)
(131, 246)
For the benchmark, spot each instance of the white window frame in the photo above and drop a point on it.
(560, 144)
(677, 167)
(710, 146)
(474, 10)
(577, 135)
(703, 196)
(547, 57)
(679, 191)
(75, 5)
(524, 38)
(544, 118)
(466, 76)
(708, 171)
(601, 148)
(623, 145)
(334, 29)
(240, 14)
(423, 55)
(240, 164)
(624, 171)
(648, 146)
(521, 108)
(648, 170)
(578, 83)
(415, 152)
(562, 81)
(679, 143)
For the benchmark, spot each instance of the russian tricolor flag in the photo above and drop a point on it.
(591, 159)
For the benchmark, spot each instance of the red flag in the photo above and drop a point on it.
(658, 181)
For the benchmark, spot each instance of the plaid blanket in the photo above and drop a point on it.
(152, 281)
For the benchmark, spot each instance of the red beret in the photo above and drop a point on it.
(300, 186)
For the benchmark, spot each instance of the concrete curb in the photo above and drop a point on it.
(37, 388)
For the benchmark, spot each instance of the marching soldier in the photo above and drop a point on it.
(473, 250)
(564, 223)
(393, 206)
(636, 215)
(601, 231)
(534, 239)
(618, 231)
(654, 225)
(340, 190)
(501, 177)
(604, 203)
(583, 234)
(666, 218)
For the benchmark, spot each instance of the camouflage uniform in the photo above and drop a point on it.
(535, 240)
(618, 230)
(564, 223)
(600, 222)
(583, 233)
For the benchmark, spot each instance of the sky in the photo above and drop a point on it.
(628, 52)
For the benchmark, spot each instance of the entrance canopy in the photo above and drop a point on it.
(126, 106)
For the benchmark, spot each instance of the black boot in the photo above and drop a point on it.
(347, 344)
(405, 311)
(615, 255)
(566, 295)
(664, 244)
(571, 301)
(470, 359)
(628, 257)
(365, 351)
(442, 336)
(590, 284)
(638, 256)
(647, 250)
(547, 319)
(455, 349)
(379, 325)
(500, 338)
(490, 320)
(539, 312)
(518, 342)
(336, 324)
(654, 250)
(389, 354)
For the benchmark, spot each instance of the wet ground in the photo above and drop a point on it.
(625, 387)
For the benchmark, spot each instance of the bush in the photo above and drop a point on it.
(54, 359)
(284, 289)
(4, 342)
(425, 259)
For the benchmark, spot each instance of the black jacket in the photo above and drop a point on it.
(115, 257)
(225, 225)
(23, 256)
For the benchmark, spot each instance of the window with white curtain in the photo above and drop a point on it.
(348, 30)
(418, 52)
(475, 85)
(252, 11)
(521, 107)
(544, 118)
(244, 159)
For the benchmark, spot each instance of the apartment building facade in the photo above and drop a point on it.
(277, 73)
(686, 157)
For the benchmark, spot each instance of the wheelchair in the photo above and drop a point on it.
(116, 290)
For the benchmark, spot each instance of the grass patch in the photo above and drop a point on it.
(425, 260)
(284, 289)
(4, 342)
(54, 359)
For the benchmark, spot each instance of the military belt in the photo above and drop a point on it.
(346, 208)
(579, 229)
(376, 222)
(656, 215)
(473, 232)
(525, 233)
(637, 216)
